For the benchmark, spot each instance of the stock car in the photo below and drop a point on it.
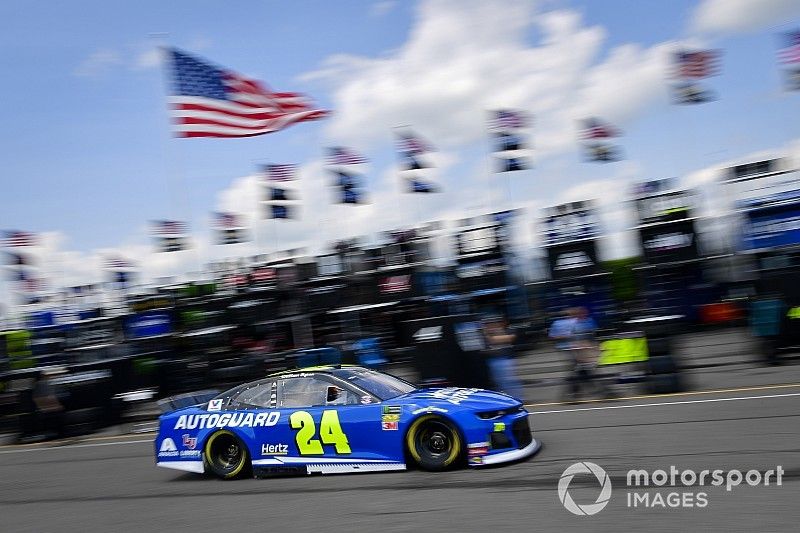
(336, 419)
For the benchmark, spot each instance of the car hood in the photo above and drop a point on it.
(477, 399)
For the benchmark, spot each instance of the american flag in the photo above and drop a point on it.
(339, 155)
(791, 52)
(15, 259)
(209, 101)
(31, 284)
(697, 64)
(279, 211)
(593, 128)
(117, 263)
(18, 238)
(169, 227)
(224, 220)
(506, 119)
(411, 143)
(512, 164)
(276, 194)
(418, 185)
(280, 172)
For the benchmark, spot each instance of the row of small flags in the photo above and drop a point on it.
(596, 137)
(692, 66)
(280, 196)
(19, 259)
(212, 101)
(414, 153)
(348, 181)
(789, 57)
(20, 269)
(510, 144)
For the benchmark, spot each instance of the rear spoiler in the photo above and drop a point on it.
(189, 399)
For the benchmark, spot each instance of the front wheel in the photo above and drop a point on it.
(434, 443)
(225, 455)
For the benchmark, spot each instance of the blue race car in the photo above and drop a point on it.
(335, 419)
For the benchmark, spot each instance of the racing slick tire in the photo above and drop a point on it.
(434, 443)
(226, 456)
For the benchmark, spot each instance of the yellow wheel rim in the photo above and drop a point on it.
(210, 460)
(411, 436)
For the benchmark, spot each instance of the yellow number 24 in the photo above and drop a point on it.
(330, 432)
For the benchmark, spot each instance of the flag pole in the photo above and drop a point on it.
(258, 233)
(173, 163)
(489, 173)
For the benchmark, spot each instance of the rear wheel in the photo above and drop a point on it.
(225, 455)
(434, 443)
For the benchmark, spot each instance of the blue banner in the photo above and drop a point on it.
(772, 229)
(148, 324)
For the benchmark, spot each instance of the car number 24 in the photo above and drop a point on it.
(330, 433)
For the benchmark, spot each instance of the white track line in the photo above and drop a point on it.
(657, 404)
(69, 446)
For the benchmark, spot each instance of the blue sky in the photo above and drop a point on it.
(89, 159)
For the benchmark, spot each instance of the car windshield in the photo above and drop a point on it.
(378, 384)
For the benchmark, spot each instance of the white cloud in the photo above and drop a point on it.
(732, 16)
(462, 58)
(98, 63)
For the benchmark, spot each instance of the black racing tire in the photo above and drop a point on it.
(226, 456)
(434, 443)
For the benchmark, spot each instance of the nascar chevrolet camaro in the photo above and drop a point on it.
(342, 419)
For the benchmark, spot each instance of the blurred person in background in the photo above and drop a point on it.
(501, 351)
(48, 409)
(575, 334)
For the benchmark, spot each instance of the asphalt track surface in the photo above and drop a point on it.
(111, 484)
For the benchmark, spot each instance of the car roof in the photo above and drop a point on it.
(320, 369)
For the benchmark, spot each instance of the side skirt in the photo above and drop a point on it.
(186, 466)
(294, 465)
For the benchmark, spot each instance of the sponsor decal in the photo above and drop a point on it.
(477, 448)
(297, 375)
(190, 454)
(168, 448)
(454, 395)
(390, 421)
(366, 399)
(431, 409)
(499, 426)
(189, 442)
(476, 451)
(274, 449)
(215, 405)
(230, 420)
